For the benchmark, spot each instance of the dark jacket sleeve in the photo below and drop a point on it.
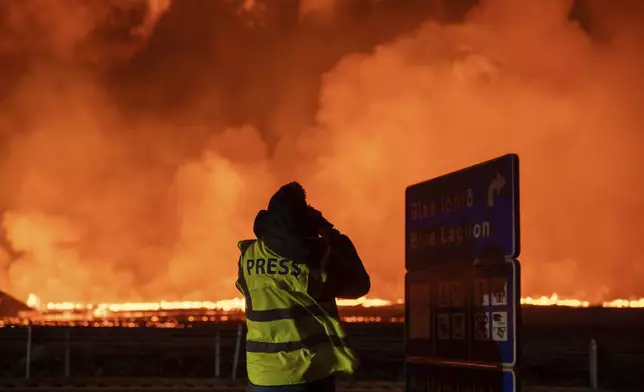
(346, 275)
(240, 283)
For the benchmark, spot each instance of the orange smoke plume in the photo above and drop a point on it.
(139, 138)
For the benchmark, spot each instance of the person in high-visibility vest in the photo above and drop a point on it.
(290, 276)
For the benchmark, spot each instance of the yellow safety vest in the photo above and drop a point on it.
(292, 338)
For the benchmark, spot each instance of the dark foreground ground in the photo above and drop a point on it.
(202, 386)
(556, 343)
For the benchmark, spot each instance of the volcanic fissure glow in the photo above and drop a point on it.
(183, 314)
(238, 304)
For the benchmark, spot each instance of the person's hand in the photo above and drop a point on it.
(322, 226)
(325, 232)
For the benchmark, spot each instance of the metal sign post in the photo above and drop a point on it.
(462, 288)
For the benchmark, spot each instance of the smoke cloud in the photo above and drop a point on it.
(139, 138)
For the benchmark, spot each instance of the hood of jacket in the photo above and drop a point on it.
(285, 225)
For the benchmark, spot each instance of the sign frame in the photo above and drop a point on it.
(459, 203)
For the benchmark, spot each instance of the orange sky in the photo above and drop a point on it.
(138, 139)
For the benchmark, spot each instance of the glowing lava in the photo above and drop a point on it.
(237, 304)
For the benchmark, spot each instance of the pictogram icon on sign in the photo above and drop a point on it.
(500, 326)
(481, 293)
(499, 291)
(458, 326)
(457, 294)
(443, 326)
(443, 294)
(482, 326)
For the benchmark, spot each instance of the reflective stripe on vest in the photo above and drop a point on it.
(287, 327)
(297, 311)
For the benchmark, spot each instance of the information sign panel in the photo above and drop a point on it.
(462, 216)
(463, 313)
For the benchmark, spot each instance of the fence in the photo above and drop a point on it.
(215, 351)
(56, 352)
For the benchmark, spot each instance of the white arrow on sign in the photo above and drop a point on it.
(497, 183)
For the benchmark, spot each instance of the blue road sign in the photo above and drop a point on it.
(464, 313)
(427, 377)
(466, 215)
